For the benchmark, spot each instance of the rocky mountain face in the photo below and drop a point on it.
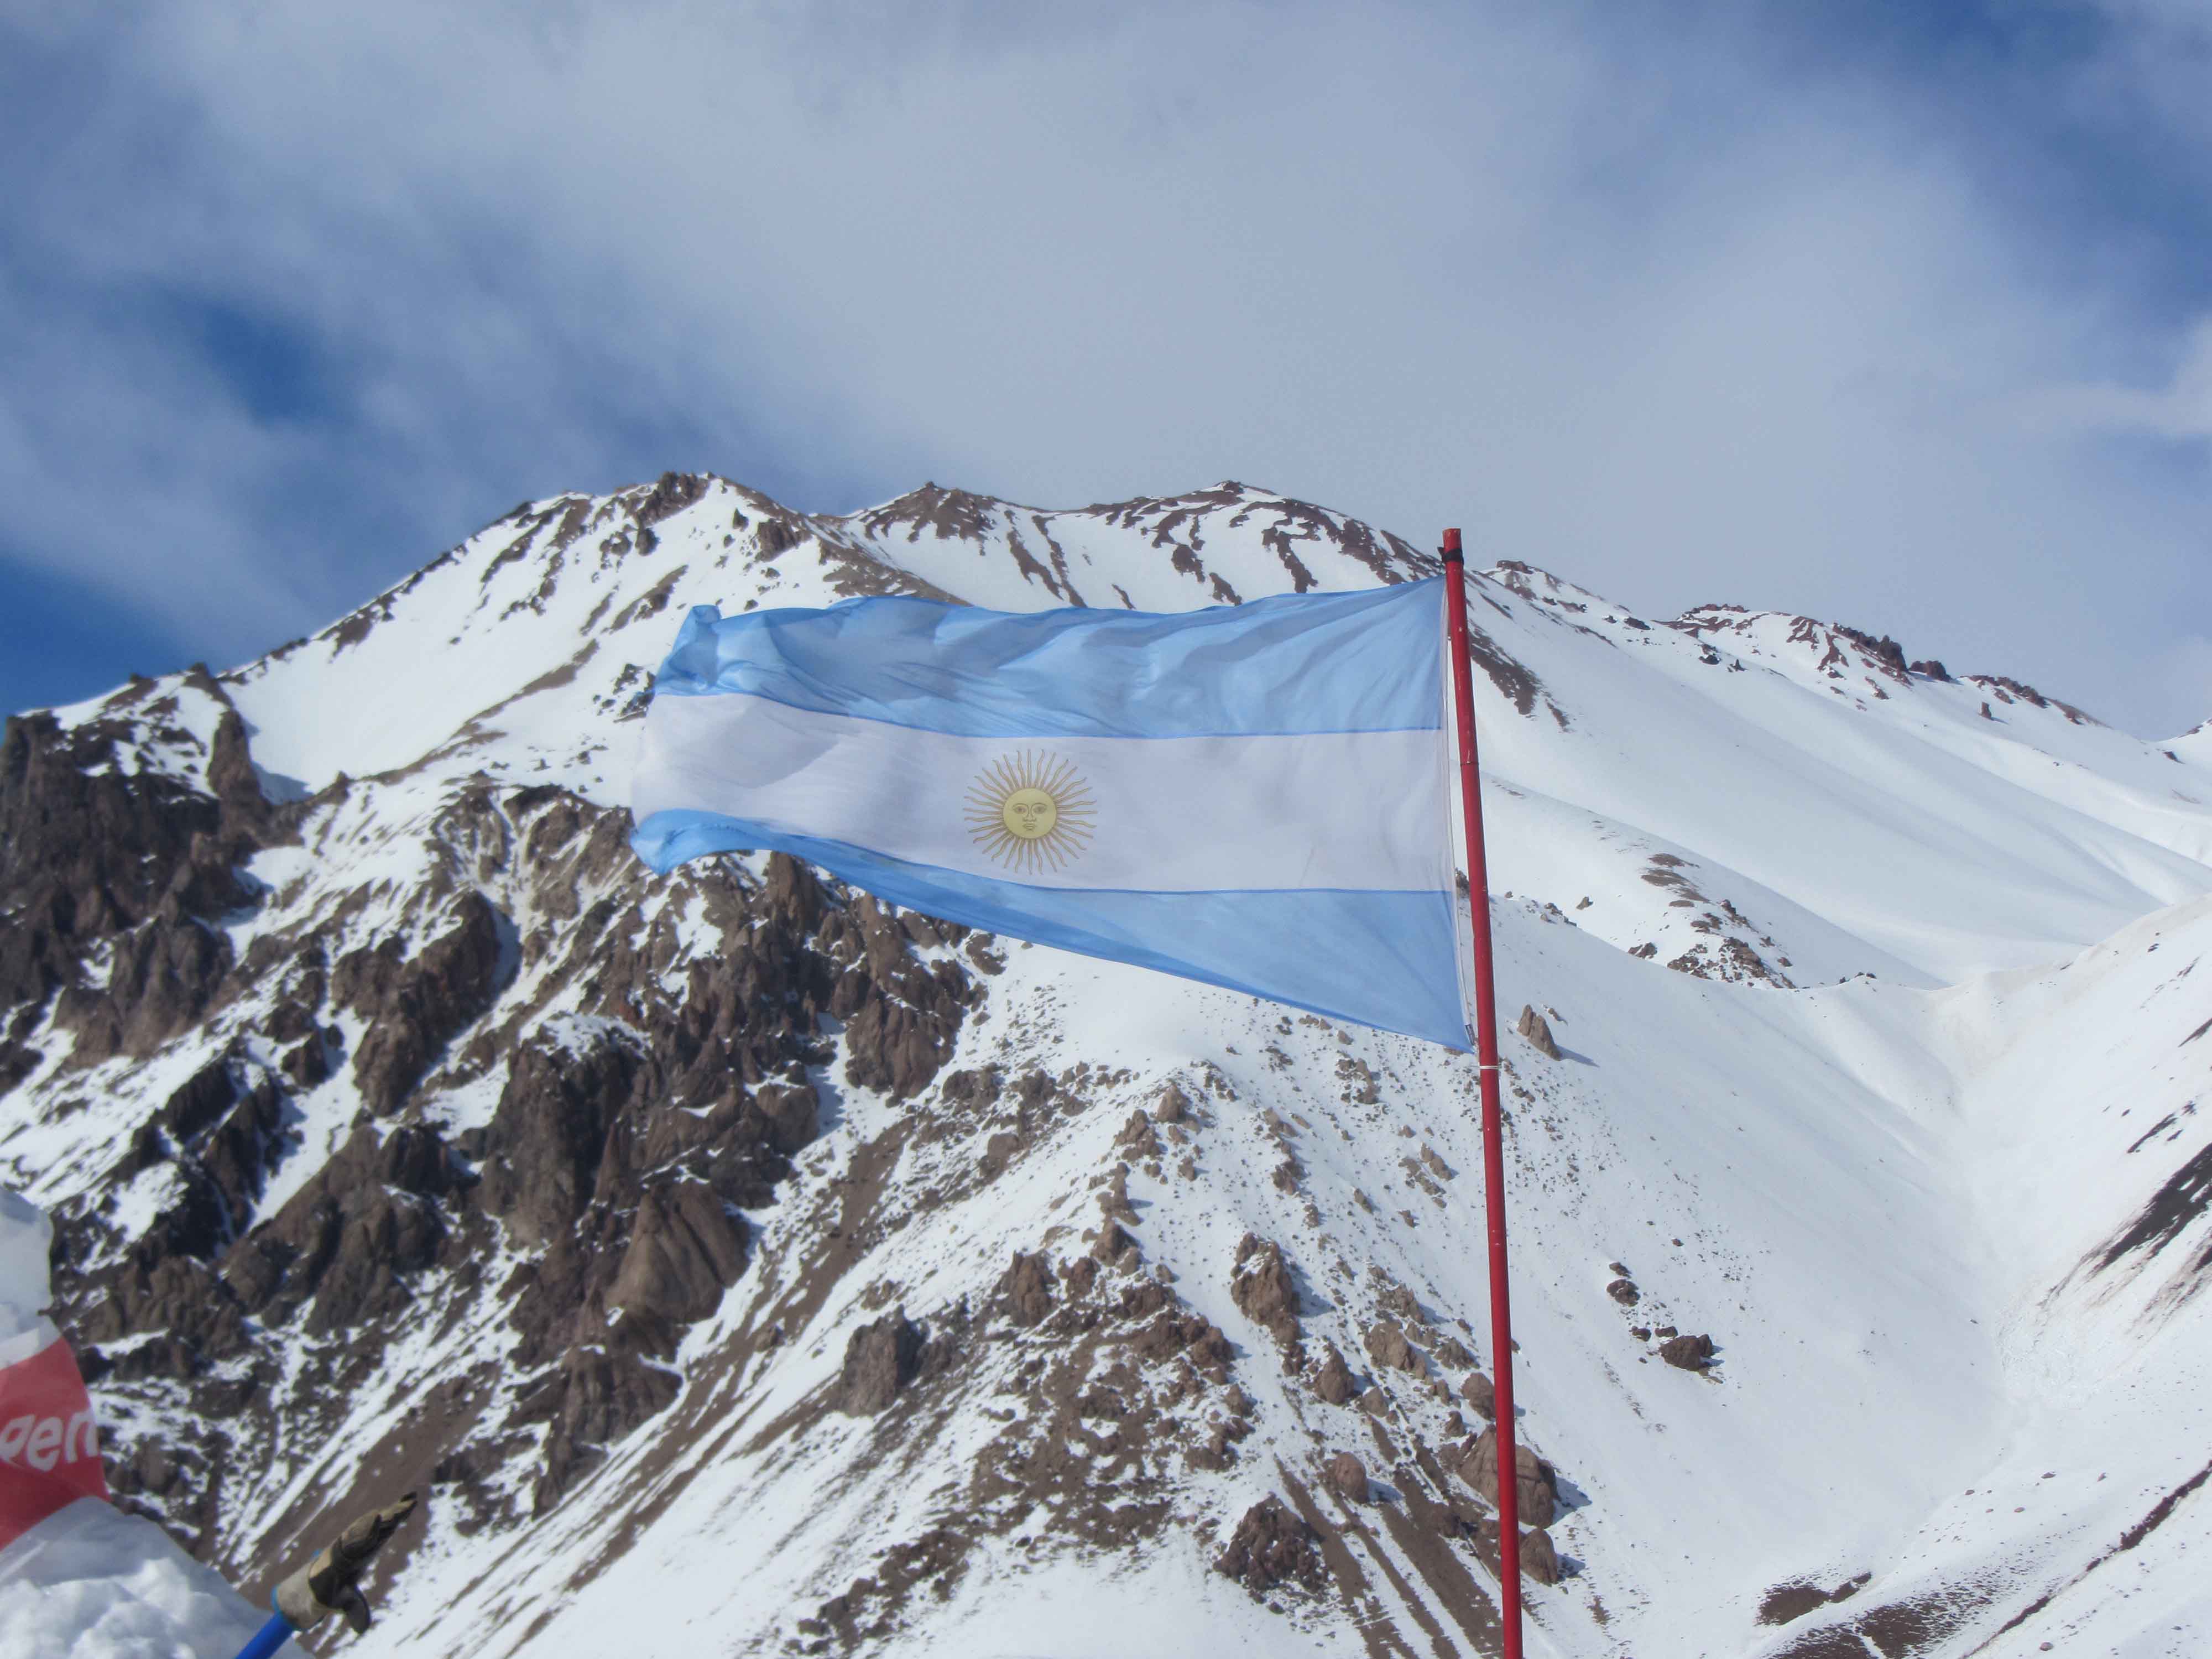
(740, 1264)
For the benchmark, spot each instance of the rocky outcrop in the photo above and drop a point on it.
(543, 1152)
(686, 1247)
(87, 849)
(100, 852)
(1264, 1291)
(1538, 1030)
(1539, 1557)
(1480, 1394)
(1332, 1379)
(1689, 1354)
(161, 977)
(881, 1359)
(346, 1246)
(1347, 1477)
(1387, 1347)
(596, 1396)
(1272, 1547)
(416, 1006)
(1536, 1487)
(901, 1013)
(624, 1140)
(220, 1133)
(1025, 1289)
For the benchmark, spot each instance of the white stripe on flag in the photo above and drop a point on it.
(1362, 811)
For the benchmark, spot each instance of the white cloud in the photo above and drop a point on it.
(2181, 409)
(1646, 310)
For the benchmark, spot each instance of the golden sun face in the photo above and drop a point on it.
(1032, 811)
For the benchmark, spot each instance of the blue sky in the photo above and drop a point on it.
(1896, 314)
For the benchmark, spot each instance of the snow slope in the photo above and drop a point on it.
(1910, 1130)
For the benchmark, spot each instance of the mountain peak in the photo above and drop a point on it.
(401, 1129)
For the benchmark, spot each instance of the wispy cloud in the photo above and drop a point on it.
(293, 297)
(2179, 409)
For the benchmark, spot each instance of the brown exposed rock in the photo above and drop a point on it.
(791, 894)
(308, 1063)
(430, 999)
(974, 1090)
(1480, 1394)
(1400, 1303)
(1624, 1291)
(1137, 1138)
(1689, 1354)
(1115, 1247)
(161, 977)
(598, 1396)
(199, 1100)
(999, 1152)
(1347, 1476)
(349, 1242)
(1536, 1486)
(1079, 1274)
(1539, 1558)
(902, 1014)
(1452, 1354)
(89, 849)
(881, 1359)
(1113, 1198)
(156, 1291)
(377, 1239)
(549, 1133)
(1332, 1378)
(1538, 1029)
(1272, 1547)
(1026, 1289)
(1264, 1291)
(669, 496)
(685, 1249)
(1784, 1602)
(1190, 1334)
(1387, 1347)
(790, 1114)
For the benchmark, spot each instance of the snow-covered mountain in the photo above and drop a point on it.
(742, 1266)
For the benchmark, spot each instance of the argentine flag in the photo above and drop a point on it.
(1258, 796)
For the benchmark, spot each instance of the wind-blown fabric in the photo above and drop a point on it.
(1256, 796)
(49, 1437)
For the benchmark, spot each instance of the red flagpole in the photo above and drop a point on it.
(1493, 1150)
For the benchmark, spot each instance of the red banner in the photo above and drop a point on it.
(48, 1442)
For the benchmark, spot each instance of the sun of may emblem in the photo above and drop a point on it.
(1032, 811)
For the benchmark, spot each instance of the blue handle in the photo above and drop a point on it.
(269, 1637)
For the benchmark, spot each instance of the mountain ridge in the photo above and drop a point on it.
(399, 1129)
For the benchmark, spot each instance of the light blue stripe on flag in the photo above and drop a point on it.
(1332, 662)
(1256, 796)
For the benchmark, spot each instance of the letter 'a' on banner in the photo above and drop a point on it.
(1257, 796)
